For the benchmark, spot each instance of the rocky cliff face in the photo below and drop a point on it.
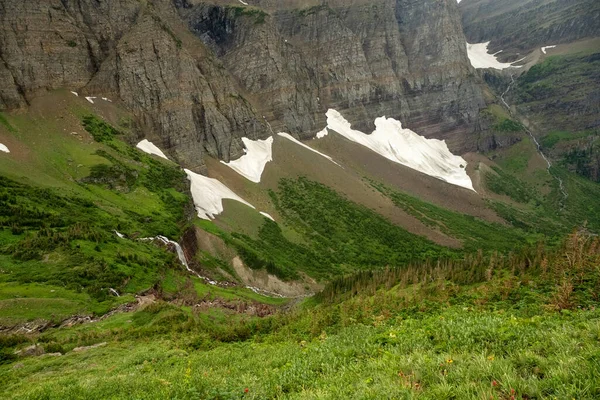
(522, 25)
(199, 75)
(403, 59)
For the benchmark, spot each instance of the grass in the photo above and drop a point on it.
(7, 125)
(390, 360)
(516, 158)
(554, 137)
(339, 236)
(475, 233)
(65, 238)
(517, 333)
(501, 182)
(259, 16)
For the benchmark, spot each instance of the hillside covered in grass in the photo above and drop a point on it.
(371, 280)
(525, 327)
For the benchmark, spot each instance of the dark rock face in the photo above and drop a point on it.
(402, 59)
(199, 75)
(522, 25)
(181, 94)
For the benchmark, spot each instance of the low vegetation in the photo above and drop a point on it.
(559, 96)
(525, 326)
(512, 314)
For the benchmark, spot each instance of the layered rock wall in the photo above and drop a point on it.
(199, 75)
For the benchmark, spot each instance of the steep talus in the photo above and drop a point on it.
(199, 75)
(522, 25)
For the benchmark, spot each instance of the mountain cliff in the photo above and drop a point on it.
(200, 75)
(522, 25)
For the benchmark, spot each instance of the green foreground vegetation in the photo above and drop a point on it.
(523, 327)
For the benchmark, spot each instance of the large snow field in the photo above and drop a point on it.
(403, 146)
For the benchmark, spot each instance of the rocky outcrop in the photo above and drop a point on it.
(199, 75)
(181, 94)
(402, 59)
(521, 25)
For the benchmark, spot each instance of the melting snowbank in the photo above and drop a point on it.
(480, 58)
(290, 137)
(547, 47)
(148, 147)
(4, 148)
(322, 133)
(252, 164)
(208, 195)
(264, 214)
(403, 146)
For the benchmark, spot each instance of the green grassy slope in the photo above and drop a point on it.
(559, 97)
(521, 327)
(66, 188)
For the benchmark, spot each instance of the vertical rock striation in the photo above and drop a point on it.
(199, 75)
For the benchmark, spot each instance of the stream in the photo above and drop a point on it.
(537, 144)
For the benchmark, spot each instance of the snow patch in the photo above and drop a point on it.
(119, 234)
(264, 214)
(107, 99)
(480, 58)
(290, 137)
(322, 134)
(403, 146)
(208, 195)
(75, 93)
(148, 147)
(252, 164)
(4, 148)
(243, 2)
(90, 99)
(547, 47)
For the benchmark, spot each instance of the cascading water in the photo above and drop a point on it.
(180, 255)
(535, 141)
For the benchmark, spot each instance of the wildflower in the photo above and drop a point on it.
(449, 361)
(392, 335)
(494, 383)
(246, 390)
(491, 358)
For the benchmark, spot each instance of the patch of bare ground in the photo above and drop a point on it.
(263, 280)
(253, 309)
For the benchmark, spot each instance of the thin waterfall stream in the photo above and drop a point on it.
(537, 144)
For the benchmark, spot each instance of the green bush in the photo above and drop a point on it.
(100, 130)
